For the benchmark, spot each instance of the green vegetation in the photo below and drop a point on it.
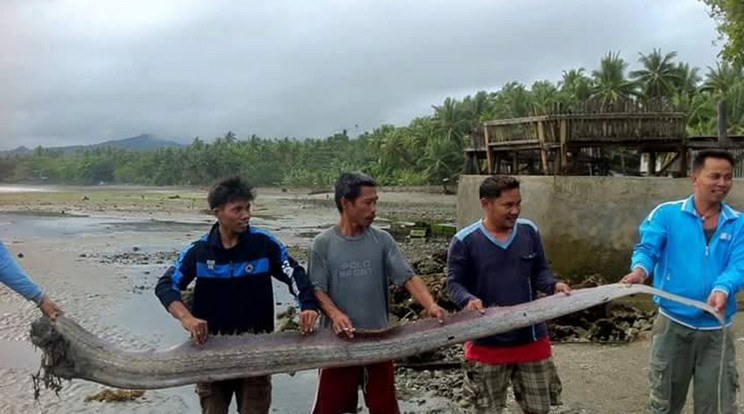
(426, 151)
(729, 14)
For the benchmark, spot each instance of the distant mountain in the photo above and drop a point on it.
(144, 142)
(22, 150)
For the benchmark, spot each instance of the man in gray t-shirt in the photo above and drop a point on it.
(345, 266)
(351, 266)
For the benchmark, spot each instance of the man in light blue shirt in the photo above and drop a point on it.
(694, 248)
(15, 278)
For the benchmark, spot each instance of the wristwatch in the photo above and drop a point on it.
(38, 299)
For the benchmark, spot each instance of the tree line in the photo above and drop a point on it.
(426, 151)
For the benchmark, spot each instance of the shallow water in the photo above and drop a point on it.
(23, 189)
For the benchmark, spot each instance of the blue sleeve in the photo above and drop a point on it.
(730, 280)
(288, 270)
(14, 277)
(458, 273)
(544, 279)
(653, 235)
(177, 277)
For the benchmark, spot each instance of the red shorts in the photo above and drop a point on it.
(338, 389)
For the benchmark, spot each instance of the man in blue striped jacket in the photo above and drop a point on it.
(233, 265)
(694, 248)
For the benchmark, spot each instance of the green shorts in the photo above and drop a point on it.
(536, 385)
(679, 355)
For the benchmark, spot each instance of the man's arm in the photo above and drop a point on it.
(399, 272)
(339, 321)
(288, 270)
(168, 290)
(731, 279)
(420, 293)
(458, 272)
(16, 279)
(646, 253)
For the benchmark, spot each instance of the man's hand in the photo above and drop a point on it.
(717, 300)
(637, 276)
(561, 287)
(49, 308)
(307, 321)
(342, 324)
(476, 304)
(196, 327)
(435, 311)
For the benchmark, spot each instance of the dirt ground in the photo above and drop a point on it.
(98, 252)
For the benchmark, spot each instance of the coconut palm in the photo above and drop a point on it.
(719, 80)
(544, 95)
(513, 101)
(688, 81)
(452, 120)
(659, 76)
(575, 86)
(610, 83)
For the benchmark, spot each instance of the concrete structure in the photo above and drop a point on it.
(588, 224)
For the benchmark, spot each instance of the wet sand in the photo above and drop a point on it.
(82, 252)
(100, 258)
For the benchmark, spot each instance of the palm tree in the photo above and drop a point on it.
(735, 98)
(719, 80)
(544, 95)
(513, 101)
(659, 75)
(575, 86)
(452, 120)
(688, 80)
(610, 84)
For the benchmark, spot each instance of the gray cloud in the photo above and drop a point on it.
(86, 71)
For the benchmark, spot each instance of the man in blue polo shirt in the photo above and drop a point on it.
(500, 261)
(694, 248)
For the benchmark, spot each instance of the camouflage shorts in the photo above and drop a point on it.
(536, 385)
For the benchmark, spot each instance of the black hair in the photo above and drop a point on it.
(699, 161)
(229, 189)
(492, 186)
(349, 186)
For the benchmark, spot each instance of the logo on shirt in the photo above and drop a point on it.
(725, 236)
(355, 268)
(249, 268)
(210, 264)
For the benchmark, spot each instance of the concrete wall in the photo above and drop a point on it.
(588, 224)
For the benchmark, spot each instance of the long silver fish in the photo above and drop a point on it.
(70, 351)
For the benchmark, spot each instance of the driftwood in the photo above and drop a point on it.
(72, 352)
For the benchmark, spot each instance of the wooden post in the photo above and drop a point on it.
(651, 164)
(489, 157)
(543, 152)
(564, 146)
(723, 139)
(683, 161)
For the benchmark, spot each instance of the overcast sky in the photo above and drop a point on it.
(79, 72)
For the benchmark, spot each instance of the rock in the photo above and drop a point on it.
(20, 255)
(135, 249)
(286, 320)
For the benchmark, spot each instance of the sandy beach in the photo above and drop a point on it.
(99, 251)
